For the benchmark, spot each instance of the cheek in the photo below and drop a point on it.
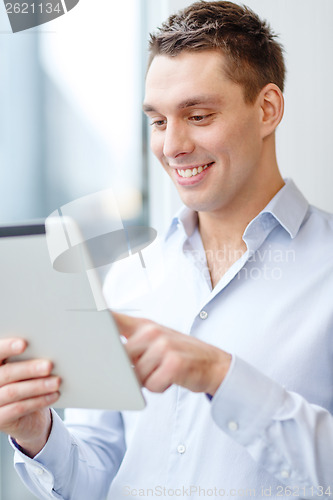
(241, 141)
(156, 144)
(215, 139)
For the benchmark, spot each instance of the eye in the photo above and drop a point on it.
(200, 118)
(158, 123)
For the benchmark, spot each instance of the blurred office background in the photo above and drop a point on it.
(71, 121)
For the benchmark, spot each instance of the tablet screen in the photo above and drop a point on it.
(56, 313)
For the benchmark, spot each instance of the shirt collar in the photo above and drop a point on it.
(287, 208)
(186, 220)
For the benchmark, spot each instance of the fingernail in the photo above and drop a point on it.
(50, 398)
(51, 383)
(43, 367)
(17, 346)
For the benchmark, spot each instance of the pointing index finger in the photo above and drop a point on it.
(127, 325)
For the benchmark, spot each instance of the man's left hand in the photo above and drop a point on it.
(162, 357)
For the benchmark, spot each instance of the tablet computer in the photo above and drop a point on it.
(61, 317)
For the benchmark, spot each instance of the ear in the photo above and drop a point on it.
(271, 103)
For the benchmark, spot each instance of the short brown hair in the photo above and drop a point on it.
(253, 56)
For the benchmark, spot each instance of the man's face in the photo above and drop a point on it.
(204, 134)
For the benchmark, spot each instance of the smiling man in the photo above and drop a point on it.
(234, 346)
(218, 149)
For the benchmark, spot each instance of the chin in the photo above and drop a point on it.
(195, 204)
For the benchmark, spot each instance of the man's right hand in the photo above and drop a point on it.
(27, 389)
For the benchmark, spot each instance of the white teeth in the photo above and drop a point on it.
(191, 172)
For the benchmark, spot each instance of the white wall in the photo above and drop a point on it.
(305, 136)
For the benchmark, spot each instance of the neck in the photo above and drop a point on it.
(227, 225)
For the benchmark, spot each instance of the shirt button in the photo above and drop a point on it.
(232, 426)
(39, 471)
(285, 474)
(181, 449)
(203, 314)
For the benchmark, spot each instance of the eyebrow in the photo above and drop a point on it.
(188, 103)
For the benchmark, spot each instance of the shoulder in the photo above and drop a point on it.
(315, 237)
(319, 220)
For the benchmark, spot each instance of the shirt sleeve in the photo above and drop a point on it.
(289, 437)
(78, 461)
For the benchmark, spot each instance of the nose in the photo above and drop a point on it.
(177, 140)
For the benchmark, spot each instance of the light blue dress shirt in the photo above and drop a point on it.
(268, 431)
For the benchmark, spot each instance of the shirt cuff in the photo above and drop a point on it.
(246, 402)
(52, 456)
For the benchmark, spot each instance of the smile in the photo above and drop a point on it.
(191, 172)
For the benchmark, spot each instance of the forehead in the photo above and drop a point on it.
(177, 79)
